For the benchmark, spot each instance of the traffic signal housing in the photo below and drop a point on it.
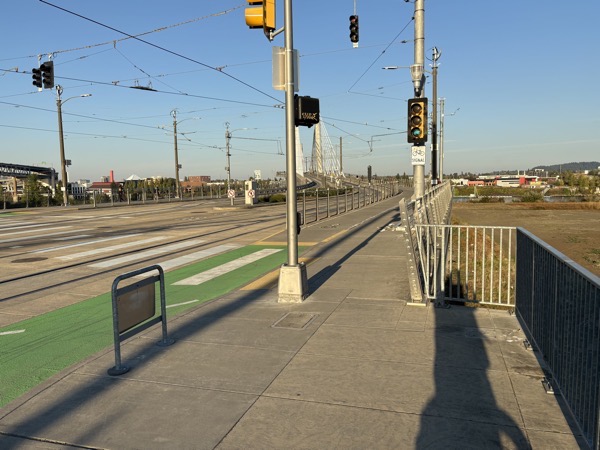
(306, 111)
(417, 121)
(48, 74)
(354, 29)
(261, 14)
(36, 76)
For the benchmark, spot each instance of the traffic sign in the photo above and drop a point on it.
(251, 193)
(231, 193)
(418, 155)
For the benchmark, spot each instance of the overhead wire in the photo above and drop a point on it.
(187, 58)
(156, 30)
(380, 55)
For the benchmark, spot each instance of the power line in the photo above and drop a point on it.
(381, 54)
(163, 49)
(114, 41)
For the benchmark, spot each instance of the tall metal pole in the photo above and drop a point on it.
(434, 121)
(290, 135)
(177, 186)
(341, 162)
(442, 139)
(293, 283)
(63, 162)
(228, 167)
(418, 81)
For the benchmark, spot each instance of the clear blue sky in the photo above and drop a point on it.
(524, 75)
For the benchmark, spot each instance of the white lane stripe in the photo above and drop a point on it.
(146, 254)
(37, 231)
(226, 268)
(18, 226)
(35, 237)
(16, 331)
(181, 304)
(193, 257)
(97, 251)
(49, 249)
(70, 238)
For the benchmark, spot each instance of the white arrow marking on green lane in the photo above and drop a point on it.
(12, 332)
(181, 304)
(226, 268)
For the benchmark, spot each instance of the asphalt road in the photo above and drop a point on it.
(57, 267)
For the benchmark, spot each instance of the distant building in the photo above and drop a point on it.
(195, 181)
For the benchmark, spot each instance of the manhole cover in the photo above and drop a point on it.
(30, 260)
(295, 320)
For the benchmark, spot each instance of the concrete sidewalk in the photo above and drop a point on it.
(351, 367)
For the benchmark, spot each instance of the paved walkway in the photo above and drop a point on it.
(353, 366)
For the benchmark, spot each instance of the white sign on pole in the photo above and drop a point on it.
(418, 155)
(231, 193)
(279, 69)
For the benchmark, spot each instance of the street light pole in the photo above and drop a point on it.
(418, 82)
(434, 120)
(177, 187)
(228, 155)
(63, 161)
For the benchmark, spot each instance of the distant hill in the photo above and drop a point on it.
(570, 167)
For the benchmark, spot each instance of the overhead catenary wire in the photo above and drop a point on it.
(187, 58)
(380, 55)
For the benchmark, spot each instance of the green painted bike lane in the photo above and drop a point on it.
(56, 340)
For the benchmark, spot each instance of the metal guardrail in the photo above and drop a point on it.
(434, 208)
(558, 302)
(466, 263)
(318, 204)
(133, 305)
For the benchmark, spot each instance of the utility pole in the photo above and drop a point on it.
(293, 283)
(177, 167)
(341, 165)
(442, 139)
(61, 138)
(434, 121)
(418, 78)
(228, 166)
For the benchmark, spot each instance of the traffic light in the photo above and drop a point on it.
(261, 15)
(48, 74)
(306, 111)
(417, 121)
(354, 29)
(36, 75)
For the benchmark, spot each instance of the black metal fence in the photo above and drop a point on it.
(558, 302)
